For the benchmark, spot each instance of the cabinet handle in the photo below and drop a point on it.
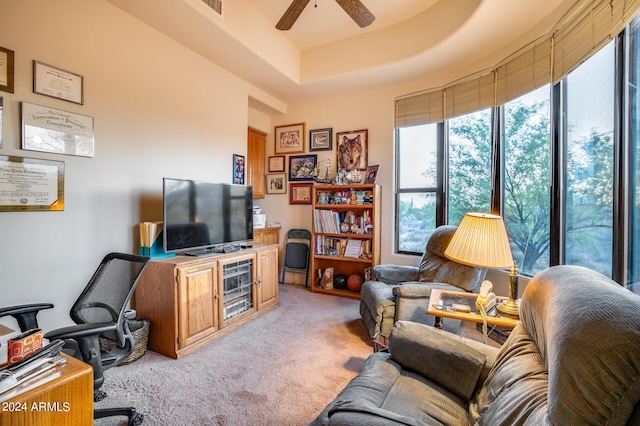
(216, 297)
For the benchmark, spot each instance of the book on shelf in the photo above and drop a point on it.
(332, 222)
(151, 240)
(353, 248)
(326, 221)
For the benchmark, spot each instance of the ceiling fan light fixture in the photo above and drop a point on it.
(354, 8)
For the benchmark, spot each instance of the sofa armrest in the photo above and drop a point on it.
(419, 290)
(362, 412)
(454, 362)
(395, 274)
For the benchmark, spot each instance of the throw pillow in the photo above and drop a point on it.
(438, 356)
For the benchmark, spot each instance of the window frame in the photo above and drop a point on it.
(438, 190)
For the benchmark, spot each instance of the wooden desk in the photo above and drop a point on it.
(441, 299)
(61, 396)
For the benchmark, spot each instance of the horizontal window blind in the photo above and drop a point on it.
(588, 26)
(524, 72)
(424, 108)
(469, 96)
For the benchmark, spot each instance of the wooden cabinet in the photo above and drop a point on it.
(197, 320)
(256, 152)
(267, 278)
(191, 301)
(270, 235)
(346, 232)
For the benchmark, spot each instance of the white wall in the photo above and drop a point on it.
(159, 110)
(372, 110)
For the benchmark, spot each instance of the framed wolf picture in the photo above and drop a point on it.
(352, 150)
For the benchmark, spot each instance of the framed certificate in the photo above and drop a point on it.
(52, 130)
(31, 184)
(276, 163)
(57, 83)
(6, 70)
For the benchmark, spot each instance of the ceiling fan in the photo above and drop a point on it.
(354, 8)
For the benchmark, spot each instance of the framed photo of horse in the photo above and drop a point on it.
(352, 150)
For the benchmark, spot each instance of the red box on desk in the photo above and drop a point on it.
(23, 345)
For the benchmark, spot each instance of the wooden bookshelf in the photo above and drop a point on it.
(345, 232)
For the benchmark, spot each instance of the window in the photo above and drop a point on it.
(527, 178)
(561, 163)
(589, 167)
(469, 183)
(634, 112)
(417, 181)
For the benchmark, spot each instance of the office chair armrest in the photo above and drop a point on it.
(81, 330)
(25, 314)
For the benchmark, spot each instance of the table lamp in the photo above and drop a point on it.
(481, 241)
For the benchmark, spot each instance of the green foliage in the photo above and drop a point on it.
(417, 221)
(469, 165)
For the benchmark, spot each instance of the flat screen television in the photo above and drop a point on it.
(204, 217)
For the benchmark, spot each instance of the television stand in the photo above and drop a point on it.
(231, 248)
(192, 301)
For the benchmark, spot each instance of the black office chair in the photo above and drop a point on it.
(100, 311)
(296, 254)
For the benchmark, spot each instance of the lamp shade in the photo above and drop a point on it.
(481, 241)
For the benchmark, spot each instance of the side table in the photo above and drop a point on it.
(440, 306)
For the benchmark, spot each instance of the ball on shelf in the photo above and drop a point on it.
(340, 281)
(354, 282)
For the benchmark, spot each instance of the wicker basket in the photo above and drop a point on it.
(140, 331)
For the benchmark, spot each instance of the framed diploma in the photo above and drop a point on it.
(1, 106)
(57, 83)
(6, 70)
(276, 163)
(31, 184)
(52, 130)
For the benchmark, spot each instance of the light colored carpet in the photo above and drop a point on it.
(280, 369)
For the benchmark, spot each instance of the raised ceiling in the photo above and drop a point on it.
(428, 41)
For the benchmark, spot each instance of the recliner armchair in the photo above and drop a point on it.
(101, 311)
(400, 292)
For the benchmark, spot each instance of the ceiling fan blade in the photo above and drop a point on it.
(291, 15)
(358, 12)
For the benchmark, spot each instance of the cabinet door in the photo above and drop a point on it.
(236, 278)
(197, 303)
(255, 162)
(267, 277)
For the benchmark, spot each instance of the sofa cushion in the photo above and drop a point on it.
(384, 393)
(438, 356)
(515, 392)
(587, 328)
(433, 257)
(465, 277)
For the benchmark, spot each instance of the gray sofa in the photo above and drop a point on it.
(400, 292)
(574, 359)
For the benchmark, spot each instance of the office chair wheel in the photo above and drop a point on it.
(136, 419)
(99, 396)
